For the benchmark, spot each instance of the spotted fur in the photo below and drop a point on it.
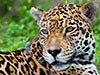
(65, 45)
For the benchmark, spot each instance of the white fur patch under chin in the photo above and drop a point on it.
(60, 67)
(49, 58)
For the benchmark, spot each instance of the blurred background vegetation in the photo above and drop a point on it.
(17, 27)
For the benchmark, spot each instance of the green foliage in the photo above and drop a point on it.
(17, 34)
(96, 29)
(18, 28)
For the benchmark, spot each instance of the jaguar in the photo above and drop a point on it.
(65, 45)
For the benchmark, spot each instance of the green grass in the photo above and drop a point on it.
(17, 34)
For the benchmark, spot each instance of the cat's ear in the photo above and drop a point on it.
(90, 10)
(37, 14)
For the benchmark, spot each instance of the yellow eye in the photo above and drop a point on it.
(69, 29)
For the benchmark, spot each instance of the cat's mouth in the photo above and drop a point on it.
(58, 63)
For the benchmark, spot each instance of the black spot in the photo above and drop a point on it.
(61, 11)
(16, 64)
(2, 60)
(83, 47)
(83, 30)
(76, 20)
(93, 45)
(2, 73)
(72, 69)
(42, 72)
(78, 47)
(64, 74)
(22, 60)
(38, 45)
(79, 14)
(86, 68)
(69, 9)
(87, 35)
(61, 19)
(33, 73)
(65, 9)
(87, 49)
(34, 50)
(33, 45)
(68, 71)
(78, 6)
(73, 7)
(66, 13)
(60, 73)
(78, 68)
(90, 72)
(7, 68)
(93, 51)
(86, 54)
(20, 73)
(51, 13)
(64, 16)
(76, 16)
(70, 5)
(48, 72)
(61, 23)
(90, 36)
(27, 67)
(81, 43)
(89, 42)
(89, 29)
(83, 70)
(91, 56)
(81, 56)
(80, 23)
(22, 68)
(77, 41)
(71, 23)
(86, 42)
(73, 12)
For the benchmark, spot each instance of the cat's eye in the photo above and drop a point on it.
(69, 29)
(44, 32)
